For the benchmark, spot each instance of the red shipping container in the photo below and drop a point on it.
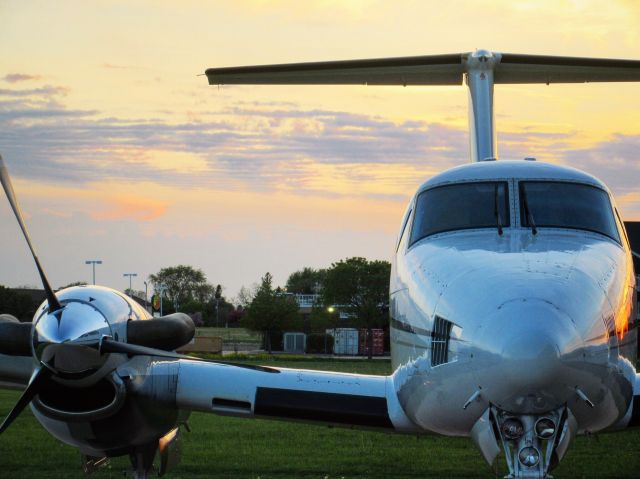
(378, 342)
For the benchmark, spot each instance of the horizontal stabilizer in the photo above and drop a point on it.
(516, 68)
(421, 70)
(430, 70)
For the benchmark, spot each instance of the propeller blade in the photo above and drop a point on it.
(54, 304)
(109, 346)
(32, 390)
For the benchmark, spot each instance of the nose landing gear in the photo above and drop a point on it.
(533, 444)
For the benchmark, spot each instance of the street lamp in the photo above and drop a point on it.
(130, 275)
(93, 263)
(162, 288)
(217, 296)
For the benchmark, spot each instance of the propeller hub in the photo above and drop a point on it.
(66, 339)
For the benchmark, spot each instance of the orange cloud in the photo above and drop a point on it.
(130, 208)
(100, 201)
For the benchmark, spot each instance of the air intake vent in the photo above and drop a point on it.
(440, 341)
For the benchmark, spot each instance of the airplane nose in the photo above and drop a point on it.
(524, 355)
(533, 356)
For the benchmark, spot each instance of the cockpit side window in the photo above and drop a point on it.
(622, 228)
(567, 205)
(461, 206)
(403, 228)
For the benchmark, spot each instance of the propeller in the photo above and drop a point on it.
(40, 377)
(108, 345)
(15, 338)
(152, 337)
(54, 304)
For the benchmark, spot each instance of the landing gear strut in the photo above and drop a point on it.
(533, 444)
(142, 460)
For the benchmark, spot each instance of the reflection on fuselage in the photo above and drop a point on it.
(517, 315)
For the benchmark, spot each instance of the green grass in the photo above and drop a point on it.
(220, 447)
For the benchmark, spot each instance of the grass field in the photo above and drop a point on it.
(221, 447)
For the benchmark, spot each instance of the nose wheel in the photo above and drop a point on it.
(533, 444)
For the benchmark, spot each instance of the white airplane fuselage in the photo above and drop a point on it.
(526, 323)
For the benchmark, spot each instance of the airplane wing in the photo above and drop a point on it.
(341, 399)
(430, 70)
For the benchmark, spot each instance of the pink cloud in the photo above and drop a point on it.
(20, 77)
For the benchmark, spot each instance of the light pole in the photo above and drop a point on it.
(218, 295)
(93, 263)
(161, 288)
(146, 295)
(130, 275)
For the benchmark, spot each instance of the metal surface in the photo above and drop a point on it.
(541, 315)
(479, 78)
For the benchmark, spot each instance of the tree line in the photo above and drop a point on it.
(356, 287)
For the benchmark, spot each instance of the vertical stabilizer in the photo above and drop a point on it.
(479, 78)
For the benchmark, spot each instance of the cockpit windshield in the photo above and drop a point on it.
(461, 206)
(566, 205)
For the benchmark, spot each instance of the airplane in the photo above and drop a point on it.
(512, 308)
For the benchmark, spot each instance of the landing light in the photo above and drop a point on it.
(529, 456)
(545, 428)
(513, 429)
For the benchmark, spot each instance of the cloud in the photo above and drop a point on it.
(270, 147)
(20, 77)
(112, 66)
(130, 208)
(614, 161)
(48, 90)
(263, 148)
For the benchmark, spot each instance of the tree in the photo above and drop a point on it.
(183, 284)
(246, 295)
(17, 303)
(360, 287)
(306, 281)
(270, 311)
(75, 283)
(235, 316)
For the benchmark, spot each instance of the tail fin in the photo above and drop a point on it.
(481, 69)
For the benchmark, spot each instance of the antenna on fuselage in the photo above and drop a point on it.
(481, 70)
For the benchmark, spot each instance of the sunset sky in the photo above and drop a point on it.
(120, 151)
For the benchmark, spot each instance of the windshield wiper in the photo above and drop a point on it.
(496, 210)
(527, 211)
